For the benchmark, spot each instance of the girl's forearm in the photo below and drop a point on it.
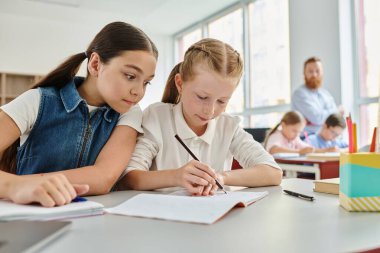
(149, 180)
(277, 149)
(98, 181)
(6, 180)
(259, 175)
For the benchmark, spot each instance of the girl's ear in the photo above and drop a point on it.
(282, 125)
(178, 82)
(94, 64)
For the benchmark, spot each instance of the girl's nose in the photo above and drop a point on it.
(137, 90)
(208, 108)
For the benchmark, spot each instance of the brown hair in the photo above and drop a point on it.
(215, 54)
(334, 120)
(110, 42)
(289, 118)
(310, 60)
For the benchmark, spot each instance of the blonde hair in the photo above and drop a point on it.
(218, 56)
(289, 118)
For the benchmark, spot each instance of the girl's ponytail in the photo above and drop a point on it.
(272, 131)
(66, 71)
(171, 94)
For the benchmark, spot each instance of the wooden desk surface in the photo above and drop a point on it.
(277, 223)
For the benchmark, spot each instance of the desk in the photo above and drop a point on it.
(277, 223)
(322, 169)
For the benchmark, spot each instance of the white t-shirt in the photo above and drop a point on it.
(224, 139)
(24, 111)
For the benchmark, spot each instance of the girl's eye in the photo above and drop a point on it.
(130, 77)
(221, 102)
(201, 98)
(147, 83)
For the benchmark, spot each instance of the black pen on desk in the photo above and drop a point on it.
(299, 195)
(195, 158)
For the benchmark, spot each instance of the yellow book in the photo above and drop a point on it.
(330, 185)
(328, 156)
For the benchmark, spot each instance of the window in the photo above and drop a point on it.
(367, 122)
(264, 90)
(184, 42)
(269, 54)
(265, 120)
(368, 53)
(229, 29)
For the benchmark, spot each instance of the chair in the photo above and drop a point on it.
(258, 135)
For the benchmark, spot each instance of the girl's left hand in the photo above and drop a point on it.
(211, 189)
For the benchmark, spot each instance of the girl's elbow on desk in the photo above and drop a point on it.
(271, 176)
(103, 186)
(277, 176)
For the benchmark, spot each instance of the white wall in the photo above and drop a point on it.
(314, 31)
(33, 45)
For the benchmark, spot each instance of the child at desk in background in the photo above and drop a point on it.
(327, 137)
(287, 139)
(195, 98)
(79, 131)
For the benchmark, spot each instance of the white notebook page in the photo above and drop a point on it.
(204, 209)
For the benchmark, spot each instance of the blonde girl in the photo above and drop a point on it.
(195, 98)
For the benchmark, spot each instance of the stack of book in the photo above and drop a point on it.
(328, 156)
(330, 185)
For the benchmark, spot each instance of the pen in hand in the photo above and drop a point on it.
(195, 158)
(299, 195)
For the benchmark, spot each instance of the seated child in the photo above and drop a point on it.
(327, 137)
(287, 139)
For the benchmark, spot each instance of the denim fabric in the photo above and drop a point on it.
(65, 135)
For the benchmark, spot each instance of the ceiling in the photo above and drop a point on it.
(157, 16)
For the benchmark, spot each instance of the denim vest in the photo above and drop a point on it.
(65, 135)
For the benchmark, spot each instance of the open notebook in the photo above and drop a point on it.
(285, 155)
(176, 207)
(11, 211)
(328, 156)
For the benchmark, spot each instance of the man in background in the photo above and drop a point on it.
(311, 100)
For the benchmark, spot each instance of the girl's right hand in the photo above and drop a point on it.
(333, 149)
(48, 190)
(304, 151)
(195, 176)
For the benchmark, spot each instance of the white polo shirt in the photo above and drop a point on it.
(224, 139)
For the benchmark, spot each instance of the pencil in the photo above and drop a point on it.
(195, 158)
(306, 137)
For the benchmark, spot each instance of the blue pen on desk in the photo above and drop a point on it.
(299, 195)
(79, 199)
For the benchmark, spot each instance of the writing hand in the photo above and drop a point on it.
(195, 176)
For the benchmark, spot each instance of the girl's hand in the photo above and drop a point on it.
(48, 190)
(211, 189)
(195, 177)
(306, 150)
(333, 149)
